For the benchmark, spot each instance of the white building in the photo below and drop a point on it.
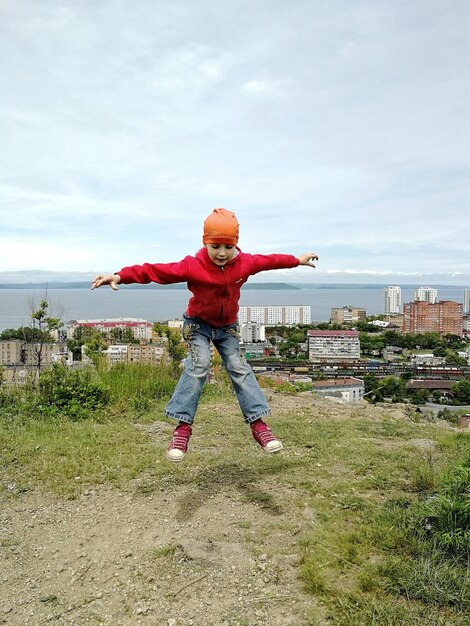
(252, 332)
(175, 324)
(466, 323)
(466, 300)
(116, 353)
(392, 297)
(342, 390)
(426, 294)
(333, 345)
(273, 315)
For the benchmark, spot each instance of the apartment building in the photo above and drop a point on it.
(141, 329)
(444, 317)
(333, 345)
(273, 315)
(252, 332)
(135, 353)
(426, 294)
(392, 300)
(466, 301)
(347, 315)
(18, 352)
(146, 353)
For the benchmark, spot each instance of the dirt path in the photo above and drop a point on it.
(114, 558)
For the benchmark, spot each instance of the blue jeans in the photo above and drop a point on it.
(184, 401)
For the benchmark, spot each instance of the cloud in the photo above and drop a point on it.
(265, 86)
(341, 128)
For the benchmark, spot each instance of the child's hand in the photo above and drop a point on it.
(112, 280)
(307, 258)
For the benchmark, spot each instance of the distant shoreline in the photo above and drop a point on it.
(86, 285)
(268, 286)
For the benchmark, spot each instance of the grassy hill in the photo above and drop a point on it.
(347, 526)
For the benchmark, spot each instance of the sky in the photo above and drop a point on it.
(340, 127)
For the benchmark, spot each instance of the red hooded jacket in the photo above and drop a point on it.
(216, 290)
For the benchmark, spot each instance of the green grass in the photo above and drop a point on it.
(64, 456)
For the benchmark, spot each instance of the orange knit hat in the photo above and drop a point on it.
(221, 226)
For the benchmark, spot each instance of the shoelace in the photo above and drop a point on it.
(265, 435)
(179, 442)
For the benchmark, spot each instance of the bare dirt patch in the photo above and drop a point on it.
(110, 557)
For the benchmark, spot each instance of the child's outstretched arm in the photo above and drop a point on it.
(111, 279)
(307, 258)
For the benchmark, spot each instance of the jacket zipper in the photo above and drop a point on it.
(222, 269)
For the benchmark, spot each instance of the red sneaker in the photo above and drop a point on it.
(178, 446)
(264, 436)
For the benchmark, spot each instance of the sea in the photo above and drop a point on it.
(156, 303)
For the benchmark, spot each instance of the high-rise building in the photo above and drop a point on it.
(272, 315)
(426, 294)
(466, 300)
(347, 315)
(392, 296)
(445, 317)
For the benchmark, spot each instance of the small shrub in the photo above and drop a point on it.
(424, 478)
(7, 400)
(74, 393)
(447, 515)
(448, 415)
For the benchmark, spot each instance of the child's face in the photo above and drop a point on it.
(220, 253)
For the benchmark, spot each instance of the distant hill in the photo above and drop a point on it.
(86, 285)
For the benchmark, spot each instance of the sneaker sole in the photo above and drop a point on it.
(173, 459)
(277, 448)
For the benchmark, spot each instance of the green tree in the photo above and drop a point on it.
(393, 387)
(42, 325)
(81, 335)
(419, 396)
(24, 333)
(461, 391)
(159, 329)
(392, 338)
(94, 349)
(123, 335)
(428, 341)
(454, 342)
(176, 347)
(454, 359)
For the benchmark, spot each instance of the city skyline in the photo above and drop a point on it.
(330, 127)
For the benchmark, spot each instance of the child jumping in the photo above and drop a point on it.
(214, 276)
